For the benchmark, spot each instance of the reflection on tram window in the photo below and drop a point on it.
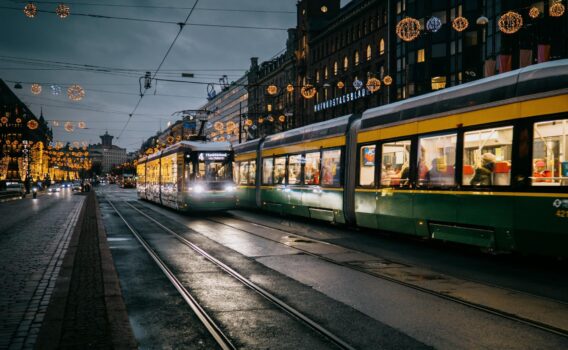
(395, 163)
(487, 157)
(252, 172)
(213, 166)
(295, 170)
(267, 167)
(312, 168)
(436, 160)
(550, 147)
(331, 169)
(367, 166)
(280, 170)
(247, 173)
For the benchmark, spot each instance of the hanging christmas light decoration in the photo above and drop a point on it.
(248, 122)
(178, 138)
(340, 85)
(270, 118)
(36, 89)
(62, 10)
(373, 85)
(557, 9)
(290, 88)
(4, 120)
(55, 90)
(408, 29)
(69, 127)
(76, 144)
(18, 120)
(272, 89)
(33, 124)
(218, 126)
(231, 126)
(308, 91)
(75, 92)
(170, 139)
(510, 22)
(30, 10)
(460, 23)
(534, 12)
(55, 123)
(387, 80)
(82, 125)
(357, 84)
(282, 118)
(434, 24)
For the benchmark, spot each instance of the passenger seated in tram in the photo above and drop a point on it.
(484, 173)
(541, 172)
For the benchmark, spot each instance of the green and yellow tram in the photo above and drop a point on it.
(483, 163)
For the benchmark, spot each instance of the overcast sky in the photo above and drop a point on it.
(208, 52)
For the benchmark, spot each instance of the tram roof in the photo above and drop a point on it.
(249, 146)
(540, 78)
(325, 129)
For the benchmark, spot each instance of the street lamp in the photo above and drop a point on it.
(482, 22)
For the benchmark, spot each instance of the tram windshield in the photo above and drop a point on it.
(213, 166)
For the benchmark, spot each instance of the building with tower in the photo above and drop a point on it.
(104, 156)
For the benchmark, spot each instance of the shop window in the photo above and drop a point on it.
(367, 166)
(438, 83)
(420, 56)
(436, 160)
(395, 163)
(280, 170)
(550, 144)
(487, 157)
(267, 170)
(295, 170)
(331, 169)
(312, 168)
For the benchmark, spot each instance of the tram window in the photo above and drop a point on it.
(331, 170)
(395, 162)
(243, 173)
(312, 168)
(252, 172)
(550, 144)
(213, 166)
(436, 160)
(295, 169)
(267, 167)
(280, 170)
(367, 165)
(487, 157)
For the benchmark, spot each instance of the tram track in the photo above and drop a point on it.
(212, 327)
(480, 307)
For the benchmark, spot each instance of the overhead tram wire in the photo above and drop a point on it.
(156, 20)
(159, 66)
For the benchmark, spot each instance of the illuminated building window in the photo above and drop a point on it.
(356, 58)
(420, 56)
(345, 63)
(325, 72)
(382, 47)
(317, 76)
(369, 52)
(438, 83)
(335, 68)
(269, 107)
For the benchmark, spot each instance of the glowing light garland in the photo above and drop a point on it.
(373, 85)
(30, 10)
(557, 9)
(534, 12)
(282, 118)
(75, 92)
(69, 127)
(36, 89)
(510, 22)
(460, 24)
(434, 24)
(272, 89)
(33, 124)
(308, 91)
(408, 29)
(82, 125)
(218, 126)
(340, 85)
(62, 11)
(387, 80)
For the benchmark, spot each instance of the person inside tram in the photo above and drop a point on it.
(540, 170)
(279, 176)
(484, 174)
(423, 169)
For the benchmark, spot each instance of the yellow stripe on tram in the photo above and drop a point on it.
(390, 191)
(304, 147)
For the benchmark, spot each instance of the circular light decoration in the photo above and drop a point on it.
(510, 22)
(36, 89)
(557, 9)
(33, 124)
(221, 139)
(282, 118)
(248, 122)
(55, 90)
(231, 126)
(290, 88)
(76, 145)
(434, 24)
(373, 85)
(340, 85)
(4, 120)
(534, 12)
(272, 90)
(30, 10)
(387, 80)
(218, 126)
(62, 10)
(460, 24)
(55, 123)
(357, 84)
(408, 29)
(270, 118)
(18, 120)
(170, 139)
(69, 127)
(260, 120)
(75, 92)
(308, 91)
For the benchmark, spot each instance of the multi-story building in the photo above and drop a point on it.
(105, 155)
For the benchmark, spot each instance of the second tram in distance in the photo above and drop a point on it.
(189, 176)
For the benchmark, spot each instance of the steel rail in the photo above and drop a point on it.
(496, 312)
(220, 337)
(263, 292)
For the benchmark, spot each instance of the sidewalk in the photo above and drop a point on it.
(86, 309)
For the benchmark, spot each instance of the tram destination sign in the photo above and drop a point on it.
(213, 156)
(352, 96)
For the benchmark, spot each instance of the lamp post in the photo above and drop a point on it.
(482, 23)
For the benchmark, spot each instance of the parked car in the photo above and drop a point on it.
(16, 187)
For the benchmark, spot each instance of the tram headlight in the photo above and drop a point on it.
(230, 188)
(198, 189)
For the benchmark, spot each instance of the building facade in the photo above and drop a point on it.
(104, 156)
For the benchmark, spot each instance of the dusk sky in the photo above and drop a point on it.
(41, 50)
